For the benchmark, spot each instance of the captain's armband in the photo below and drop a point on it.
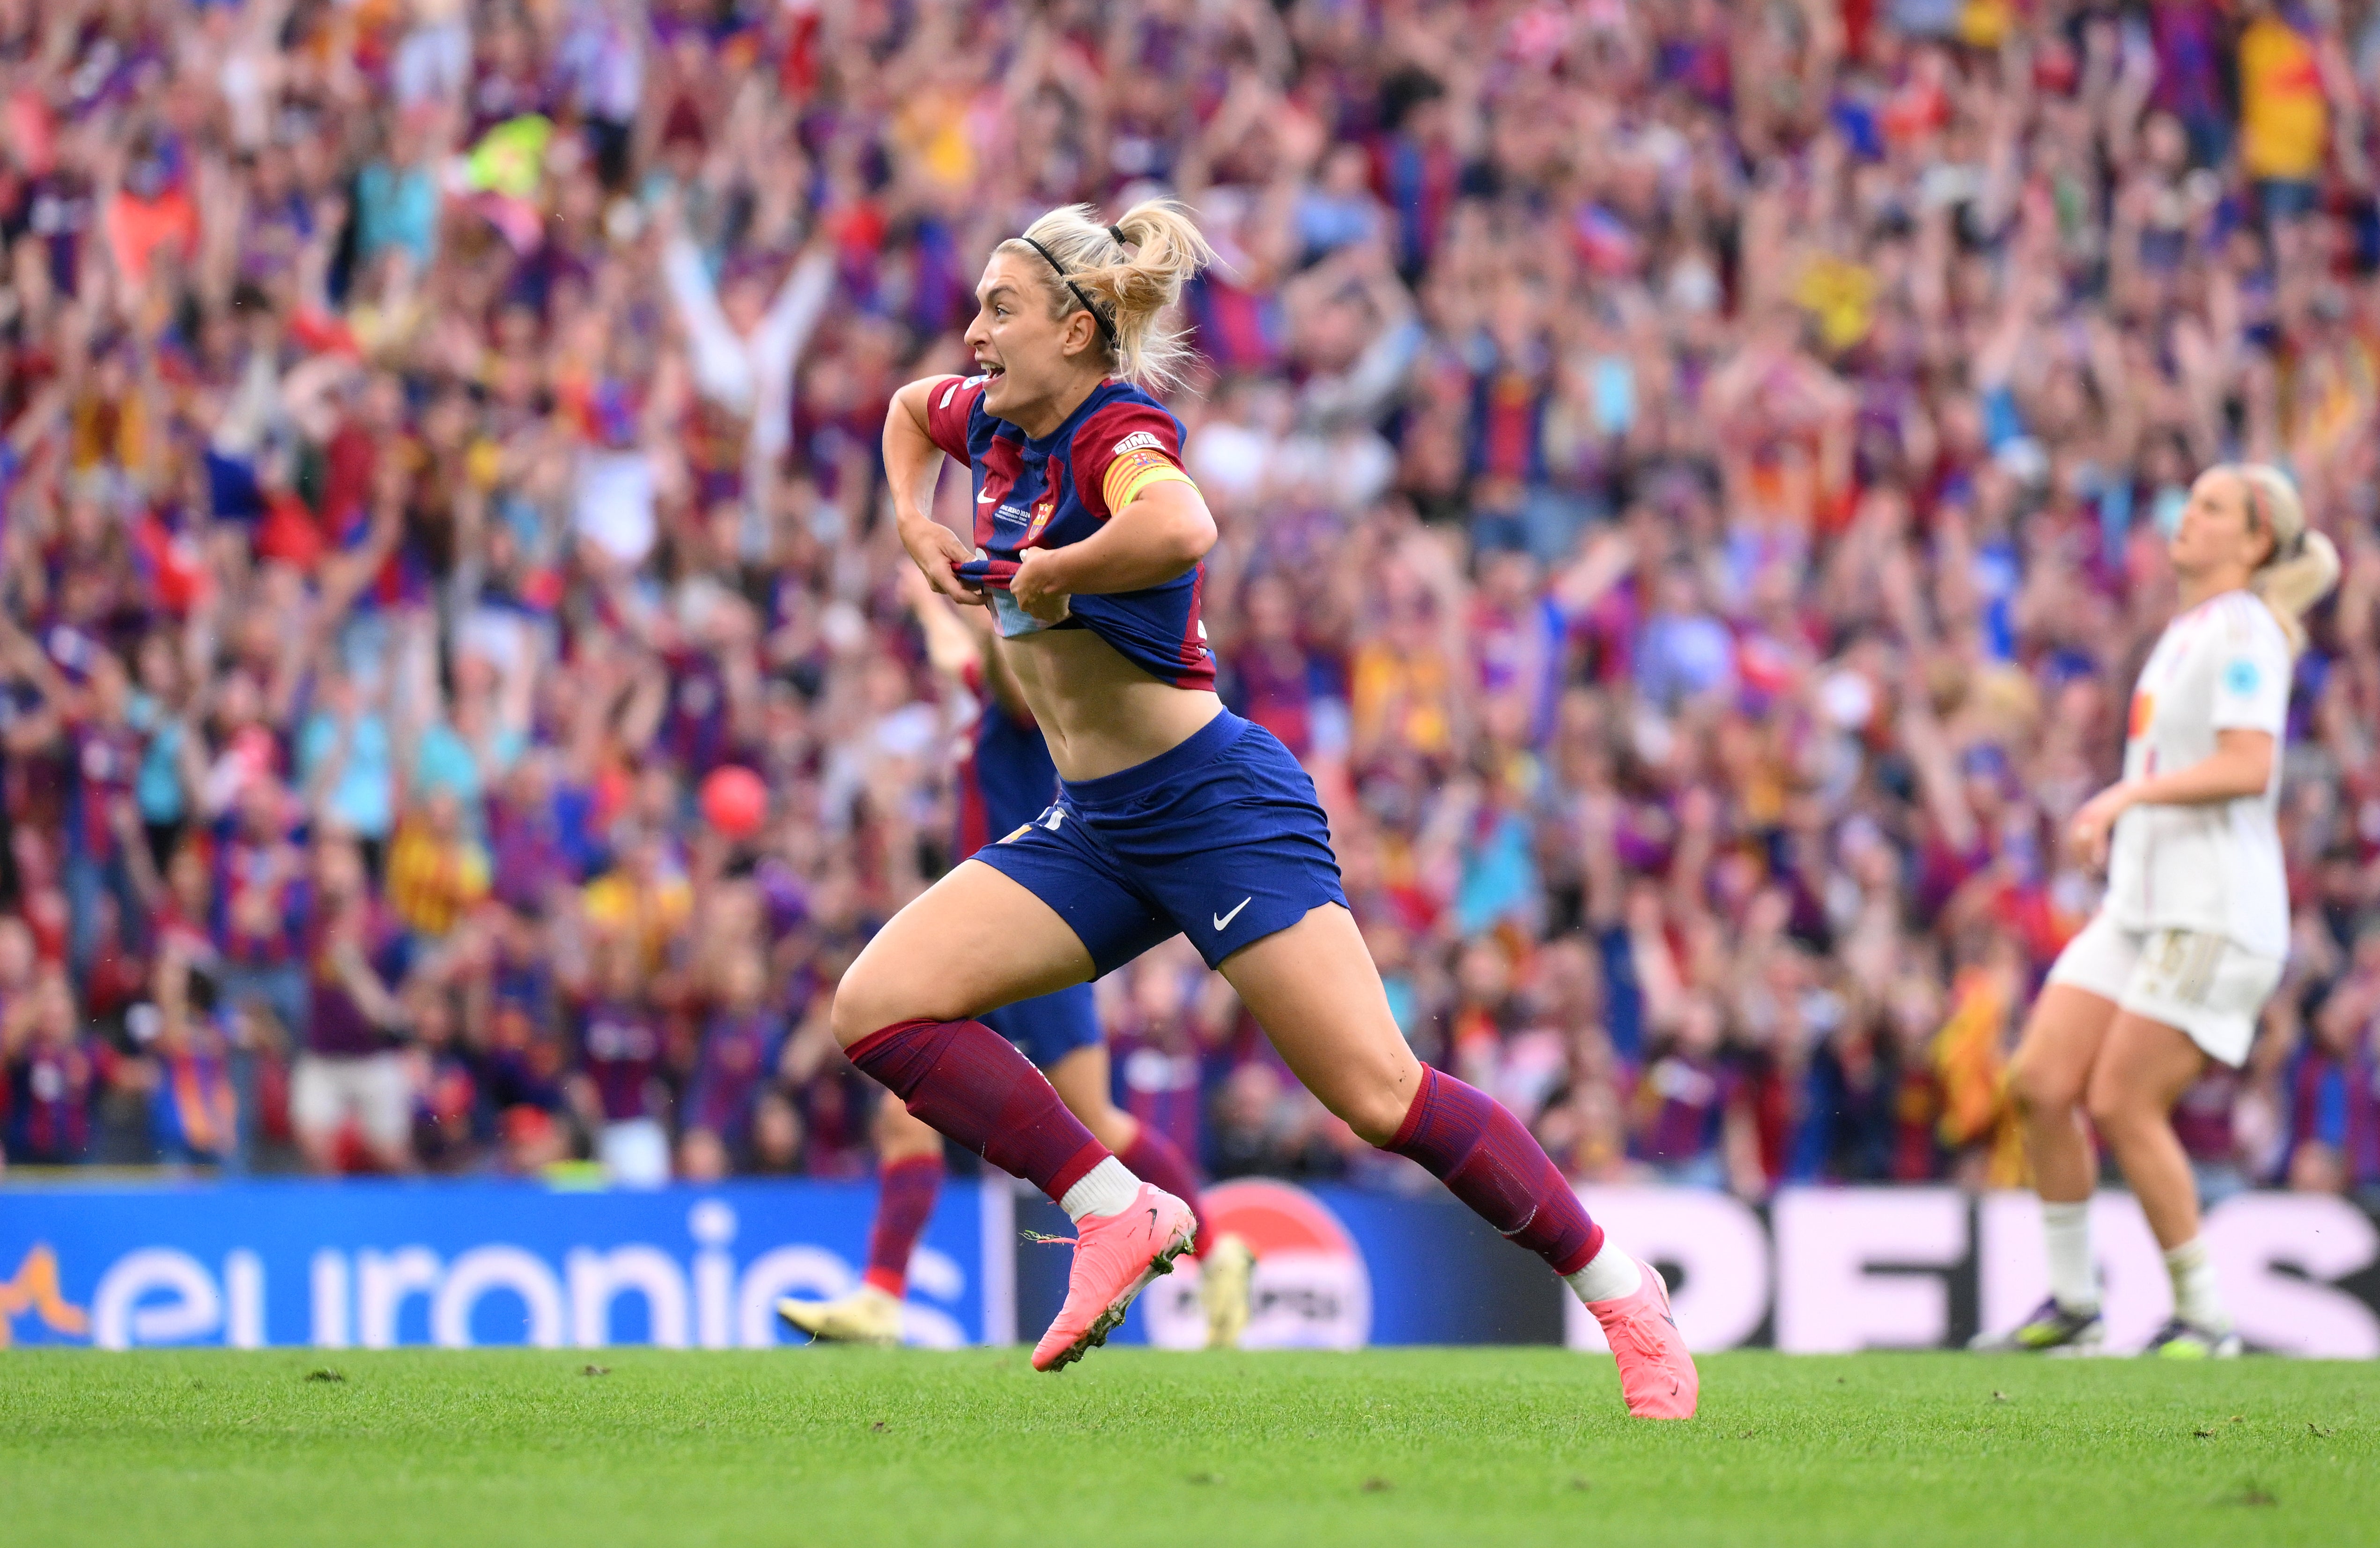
(1137, 470)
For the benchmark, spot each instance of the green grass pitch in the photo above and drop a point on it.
(1481, 1446)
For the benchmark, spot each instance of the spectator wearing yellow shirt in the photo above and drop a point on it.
(436, 870)
(645, 898)
(2284, 110)
(1402, 679)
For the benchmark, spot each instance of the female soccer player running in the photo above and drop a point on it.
(1004, 781)
(2189, 941)
(1172, 814)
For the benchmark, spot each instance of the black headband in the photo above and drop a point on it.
(1107, 329)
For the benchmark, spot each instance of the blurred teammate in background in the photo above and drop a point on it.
(2190, 940)
(1005, 780)
(1173, 815)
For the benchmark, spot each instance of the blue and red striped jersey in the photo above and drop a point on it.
(1058, 490)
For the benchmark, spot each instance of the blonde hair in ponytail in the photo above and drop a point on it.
(1128, 285)
(2304, 564)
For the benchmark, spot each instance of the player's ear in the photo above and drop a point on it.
(1080, 333)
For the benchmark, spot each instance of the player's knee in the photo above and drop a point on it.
(871, 999)
(861, 1005)
(1376, 1112)
(2039, 1092)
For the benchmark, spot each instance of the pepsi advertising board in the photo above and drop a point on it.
(380, 1265)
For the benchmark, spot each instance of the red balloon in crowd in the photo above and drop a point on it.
(735, 801)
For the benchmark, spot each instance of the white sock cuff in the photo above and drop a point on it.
(1107, 1188)
(1608, 1275)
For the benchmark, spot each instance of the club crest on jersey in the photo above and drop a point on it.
(1042, 510)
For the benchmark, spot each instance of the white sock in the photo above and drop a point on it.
(2073, 1277)
(2195, 1298)
(1608, 1275)
(1106, 1188)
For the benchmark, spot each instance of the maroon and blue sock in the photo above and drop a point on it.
(1487, 1159)
(1154, 1159)
(905, 1191)
(971, 1084)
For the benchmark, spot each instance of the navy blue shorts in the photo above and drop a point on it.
(1049, 1027)
(1220, 839)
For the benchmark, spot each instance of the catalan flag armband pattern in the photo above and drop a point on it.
(1135, 471)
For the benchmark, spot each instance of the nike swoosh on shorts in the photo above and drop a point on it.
(1223, 921)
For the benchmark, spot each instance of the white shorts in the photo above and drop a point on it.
(2205, 985)
(325, 1089)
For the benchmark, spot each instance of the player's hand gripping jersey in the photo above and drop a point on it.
(1061, 489)
(2214, 867)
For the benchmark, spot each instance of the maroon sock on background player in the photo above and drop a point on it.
(1487, 1159)
(905, 1190)
(1154, 1158)
(972, 1084)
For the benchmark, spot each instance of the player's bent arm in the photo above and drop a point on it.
(912, 463)
(1160, 535)
(2242, 765)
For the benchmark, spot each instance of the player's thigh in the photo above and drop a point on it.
(1315, 991)
(2062, 1037)
(2142, 1069)
(973, 940)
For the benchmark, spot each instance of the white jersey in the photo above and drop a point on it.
(2215, 868)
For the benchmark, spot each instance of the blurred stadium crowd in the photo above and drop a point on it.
(1690, 474)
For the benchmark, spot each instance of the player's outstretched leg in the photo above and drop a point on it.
(1314, 990)
(908, 1180)
(973, 940)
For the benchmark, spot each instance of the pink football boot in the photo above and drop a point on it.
(1656, 1375)
(1115, 1257)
